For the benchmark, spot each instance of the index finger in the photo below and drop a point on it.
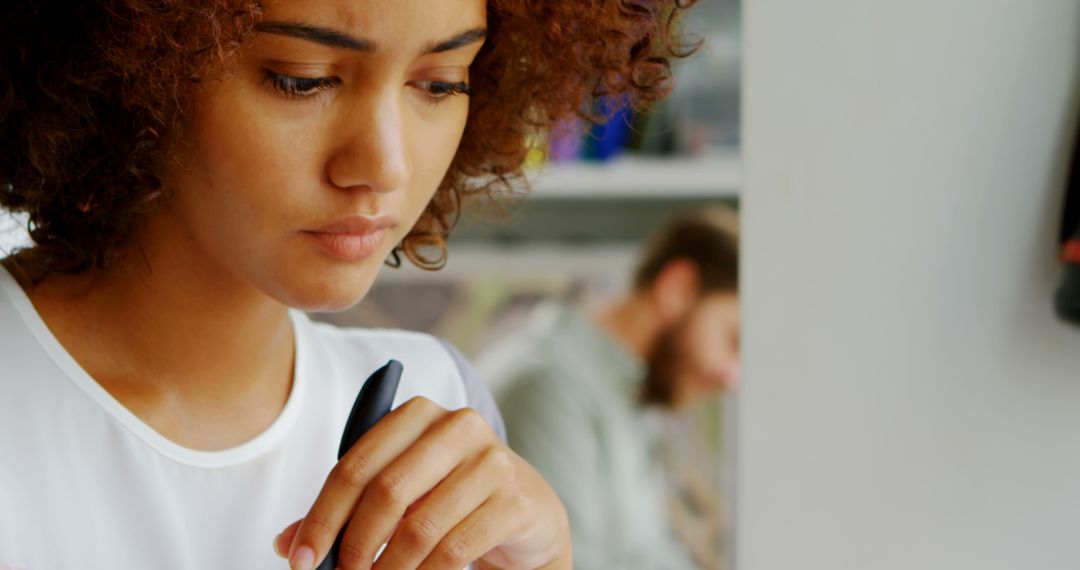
(388, 439)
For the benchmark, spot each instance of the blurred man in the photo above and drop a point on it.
(581, 392)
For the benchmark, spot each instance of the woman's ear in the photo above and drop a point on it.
(675, 290)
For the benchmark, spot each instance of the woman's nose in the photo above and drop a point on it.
(373, 148)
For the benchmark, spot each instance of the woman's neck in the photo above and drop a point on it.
(203, 359)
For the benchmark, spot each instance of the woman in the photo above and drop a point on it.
(194, 173)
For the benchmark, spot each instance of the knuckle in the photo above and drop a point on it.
(500, 463)
(316, 524)
(468, 421)
(353, 470)
(454, 552)
(418, 531)
(498, 460)
(388, 488)
(353, 555)
(518, 506)
(419, 404)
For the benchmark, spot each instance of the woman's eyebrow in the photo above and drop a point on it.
(339, 39)
(461, 40)
(317, 34)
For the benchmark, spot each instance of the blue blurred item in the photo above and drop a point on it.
(607, 140)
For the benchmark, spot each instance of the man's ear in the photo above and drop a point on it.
(675, 290)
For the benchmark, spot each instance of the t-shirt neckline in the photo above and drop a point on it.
(67, 364)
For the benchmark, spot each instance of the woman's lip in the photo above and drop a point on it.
(346, 246)
(356, 225)
(352, 238)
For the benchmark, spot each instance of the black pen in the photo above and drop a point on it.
(374, 401)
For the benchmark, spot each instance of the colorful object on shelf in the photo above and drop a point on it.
(655, 132)
(565, 141)
(607, 139)
(536, 156)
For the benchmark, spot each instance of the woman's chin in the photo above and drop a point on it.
(326, 293)
(334, 305)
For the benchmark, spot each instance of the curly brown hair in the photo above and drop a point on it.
(90, 89)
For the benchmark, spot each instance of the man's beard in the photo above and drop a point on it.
(664, 363)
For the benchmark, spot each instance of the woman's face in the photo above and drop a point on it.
(318, 149)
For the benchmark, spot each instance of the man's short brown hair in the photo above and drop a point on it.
(708, 238)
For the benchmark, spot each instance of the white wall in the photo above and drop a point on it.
(910, 400)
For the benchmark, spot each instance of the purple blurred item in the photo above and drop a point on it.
(565, 141)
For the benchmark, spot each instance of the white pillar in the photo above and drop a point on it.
(910, 402)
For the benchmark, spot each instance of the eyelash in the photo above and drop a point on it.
(299, 87)
(303, 87)
(439, 91)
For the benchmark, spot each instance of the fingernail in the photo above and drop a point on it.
(303, 559)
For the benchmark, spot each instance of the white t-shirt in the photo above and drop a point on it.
(86, 484)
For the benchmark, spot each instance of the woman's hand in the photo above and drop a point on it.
(442, 491)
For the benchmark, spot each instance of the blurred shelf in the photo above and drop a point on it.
(713, 175)
(521, 261)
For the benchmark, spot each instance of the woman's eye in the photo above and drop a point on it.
(300, 86)
(439, 91)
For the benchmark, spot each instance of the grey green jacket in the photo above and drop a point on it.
(568, 395)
